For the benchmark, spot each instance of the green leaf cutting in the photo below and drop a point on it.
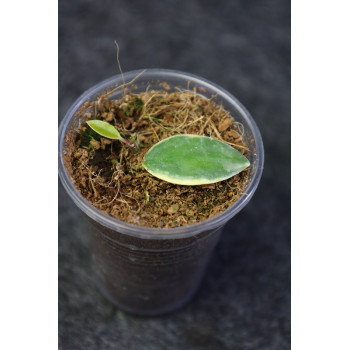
(193, 160)
(104, 129)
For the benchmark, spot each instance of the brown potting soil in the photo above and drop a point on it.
(109, 174)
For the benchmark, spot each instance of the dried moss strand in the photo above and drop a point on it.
(126, 84)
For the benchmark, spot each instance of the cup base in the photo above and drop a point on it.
(154, 311)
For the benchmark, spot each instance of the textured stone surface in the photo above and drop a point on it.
(244, 46)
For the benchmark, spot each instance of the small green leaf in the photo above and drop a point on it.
(193, 160)
(104, 129)
(147, 196)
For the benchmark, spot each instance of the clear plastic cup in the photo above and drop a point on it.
(151, 271)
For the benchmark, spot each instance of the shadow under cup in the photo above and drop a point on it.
(145, 270)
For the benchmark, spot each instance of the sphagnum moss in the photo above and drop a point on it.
(109, 174)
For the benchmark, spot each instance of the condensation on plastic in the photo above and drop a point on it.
(150, 271)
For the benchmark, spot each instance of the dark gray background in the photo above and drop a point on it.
(244, 46)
